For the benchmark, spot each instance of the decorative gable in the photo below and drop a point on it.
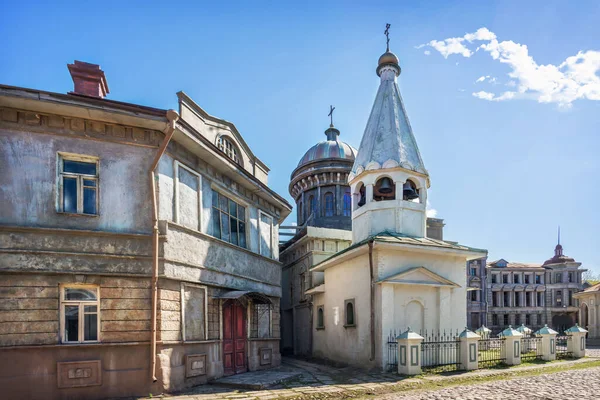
(419, 276)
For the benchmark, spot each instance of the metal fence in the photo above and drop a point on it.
(392, 345)
(490, 353)
(531, 348)
(440, 351)
(562, 346)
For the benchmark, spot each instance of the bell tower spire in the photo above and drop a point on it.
(389, 181)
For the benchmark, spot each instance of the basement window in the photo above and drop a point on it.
(79, 314)
(78, 184)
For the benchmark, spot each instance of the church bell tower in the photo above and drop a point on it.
(388, 181)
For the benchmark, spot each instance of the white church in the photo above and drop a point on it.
(392, 276)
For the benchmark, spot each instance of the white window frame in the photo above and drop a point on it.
(183, 286)
(176, 166)
(79, 303)
(60, 174)
(260, 214)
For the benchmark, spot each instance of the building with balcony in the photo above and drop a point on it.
(139, 246)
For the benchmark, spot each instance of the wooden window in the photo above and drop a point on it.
(320, 318)
(188, 196)
(329, 204)
(350, 317)
(227, 147)
(78, 184)
(79, 314)
(194, 303)
(265, 231)
(347, 209)
(229, 220)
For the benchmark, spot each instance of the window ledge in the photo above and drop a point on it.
(262, 339)
(350, 326)
(320, 328)
(68, 214)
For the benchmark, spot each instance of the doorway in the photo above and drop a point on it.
(234, 338)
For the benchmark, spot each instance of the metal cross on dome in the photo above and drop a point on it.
(331, 108)
(387, 35)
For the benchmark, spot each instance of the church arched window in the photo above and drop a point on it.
(385, 189)
(347, 209)
(227, 147)
(410, 191)
(312, 205)
(329, 204)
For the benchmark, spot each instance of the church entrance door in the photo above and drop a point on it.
(234, 338)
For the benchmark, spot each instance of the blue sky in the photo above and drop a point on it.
(504, 174)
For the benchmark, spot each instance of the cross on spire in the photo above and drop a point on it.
(387, 35)
(330, 115)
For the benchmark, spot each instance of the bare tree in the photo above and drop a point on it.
(591, 276)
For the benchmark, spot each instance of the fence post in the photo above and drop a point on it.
(576, 345)
(526, 332)
(512, 346)
(409, 353)
(484, 332)
(548, 343)
(469, 343)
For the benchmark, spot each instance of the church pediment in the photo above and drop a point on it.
(419, 276)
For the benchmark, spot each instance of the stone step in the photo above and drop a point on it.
(257, 379)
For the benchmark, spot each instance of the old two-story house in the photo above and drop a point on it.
(514, 293)
(138, 246)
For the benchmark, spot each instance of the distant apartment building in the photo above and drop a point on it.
(511, 293)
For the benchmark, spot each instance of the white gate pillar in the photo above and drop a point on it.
(409, 353)
(548, 343)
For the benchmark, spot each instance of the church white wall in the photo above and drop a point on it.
(439, 307)
(349, 280)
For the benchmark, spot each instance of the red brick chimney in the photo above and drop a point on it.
(89, 79)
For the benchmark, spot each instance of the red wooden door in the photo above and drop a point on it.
(234, 338)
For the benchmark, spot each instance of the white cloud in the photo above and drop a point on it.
(431, 212)
(575, 78)
(427, 52)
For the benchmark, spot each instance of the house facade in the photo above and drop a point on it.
(392, 276)
(516, 293)
(139, 246)
(589, 310)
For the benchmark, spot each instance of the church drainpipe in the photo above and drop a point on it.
(372, 300)
(172, 117)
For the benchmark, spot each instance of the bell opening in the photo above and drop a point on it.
(362, 196)
(410, 192)
(385, 189)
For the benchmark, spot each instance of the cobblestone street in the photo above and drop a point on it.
(318, 379)
(583, 384)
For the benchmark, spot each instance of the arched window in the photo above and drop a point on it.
(329, 204)
(300, 214)
(227, 147)
(362, 196)
(349, 313)
(385, 189)
(410, 191)
(347, 209)
(320, 318)
(312, 205)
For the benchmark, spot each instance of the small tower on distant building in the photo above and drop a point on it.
(389, 181)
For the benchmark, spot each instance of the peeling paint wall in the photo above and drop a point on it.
(28, 183)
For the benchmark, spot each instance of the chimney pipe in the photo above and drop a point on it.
(89, 79)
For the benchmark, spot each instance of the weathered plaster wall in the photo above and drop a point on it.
(28, 186)
(351, 345)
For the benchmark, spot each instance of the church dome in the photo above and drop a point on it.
(330, 148)
(388, 58)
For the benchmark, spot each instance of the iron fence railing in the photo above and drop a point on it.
(531, 348)
(440, 351)
(562, 346)
(392, 359)
(490, 352)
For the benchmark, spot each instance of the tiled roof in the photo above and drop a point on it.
(595, 288)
